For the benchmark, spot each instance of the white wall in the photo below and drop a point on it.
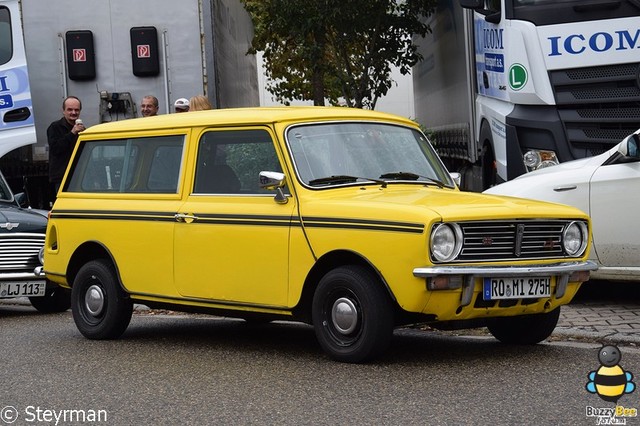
(399, 99)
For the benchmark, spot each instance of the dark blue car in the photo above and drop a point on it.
(22, 233)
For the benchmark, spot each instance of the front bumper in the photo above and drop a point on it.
(562, 270)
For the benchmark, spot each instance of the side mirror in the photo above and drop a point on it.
(631, 146)
(274, 181)
(472, 4)
(271, 180)
(21, 200)
(492, 16)
(457, 178)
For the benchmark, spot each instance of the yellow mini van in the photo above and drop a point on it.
(341, 218)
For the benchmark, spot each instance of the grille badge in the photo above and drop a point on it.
(519, 237)
(9, 225)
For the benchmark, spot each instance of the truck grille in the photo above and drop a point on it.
(19, 252)
(511, 240)
(598, 106)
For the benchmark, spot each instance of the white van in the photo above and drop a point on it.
(17, 127)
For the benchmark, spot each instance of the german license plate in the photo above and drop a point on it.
(516, 288)
(20, 289)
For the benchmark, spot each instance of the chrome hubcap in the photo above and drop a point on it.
(94, 300)
(344, 316)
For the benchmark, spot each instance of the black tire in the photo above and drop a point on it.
(365, 327)
(525, 329)
(101, 309)
(488, 160)
(56, 299)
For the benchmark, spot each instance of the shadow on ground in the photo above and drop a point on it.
(596, 290)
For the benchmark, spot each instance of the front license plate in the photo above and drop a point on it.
(20, 289)
(516, 288)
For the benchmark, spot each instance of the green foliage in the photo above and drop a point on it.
(338, 50)
(248, 160)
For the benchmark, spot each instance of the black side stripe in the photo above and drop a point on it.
(347, 223)
(246, 220)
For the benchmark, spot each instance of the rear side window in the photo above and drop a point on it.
(139, 165)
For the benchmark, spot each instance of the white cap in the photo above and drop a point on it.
(181, 103)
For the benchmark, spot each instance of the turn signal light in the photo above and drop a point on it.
(580, 276)
(444, 282)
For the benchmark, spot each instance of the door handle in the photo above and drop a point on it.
(565, 188)
(185, 218)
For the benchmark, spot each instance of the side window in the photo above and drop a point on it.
(6, 41)
(230, 161)
(165, 168)
(140, 165)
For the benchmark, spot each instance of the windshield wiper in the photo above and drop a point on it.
(344, 179)
(411, 176)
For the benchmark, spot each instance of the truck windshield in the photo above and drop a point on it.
(549, 12)
(364, 153)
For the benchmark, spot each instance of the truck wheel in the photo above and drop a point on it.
(525, 329)
(101, 309)
(56, 299)
(352, 315)
(487, 160)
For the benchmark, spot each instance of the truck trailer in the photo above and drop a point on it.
(510, 86)
(111, 53)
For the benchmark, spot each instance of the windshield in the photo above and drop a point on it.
(357, 153)
(548, 12)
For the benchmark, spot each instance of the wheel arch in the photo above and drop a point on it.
(485, 135)
(325, 264)
(487, 160)
(86, 252)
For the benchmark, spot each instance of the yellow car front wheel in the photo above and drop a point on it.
(352, 314)
(525, 329)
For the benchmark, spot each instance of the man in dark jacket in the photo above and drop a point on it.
(62, 136)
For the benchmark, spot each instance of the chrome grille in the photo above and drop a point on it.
(19, 252)
(598, 106)
(511, 240)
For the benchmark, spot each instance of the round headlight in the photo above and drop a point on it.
(531, 159)
(41, 255)
(574, 238)
(446, 242)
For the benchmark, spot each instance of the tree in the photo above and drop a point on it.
(338, 50)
